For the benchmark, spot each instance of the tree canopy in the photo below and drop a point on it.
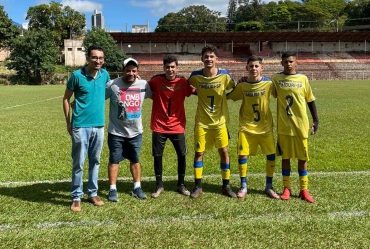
(7, 29)
(62, 22)
(33, 56)
(113, 56)
(195, 18)
(311, 14)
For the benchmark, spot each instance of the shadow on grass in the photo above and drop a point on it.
(58, 193)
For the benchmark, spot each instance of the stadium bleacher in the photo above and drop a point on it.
(317, 66)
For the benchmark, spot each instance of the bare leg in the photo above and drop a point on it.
(135, 171)
(113, 173)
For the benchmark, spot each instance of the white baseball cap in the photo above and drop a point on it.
(130, 61)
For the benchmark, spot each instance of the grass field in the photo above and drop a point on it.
(35, 168)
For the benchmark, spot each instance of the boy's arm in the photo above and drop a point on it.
(315, 117)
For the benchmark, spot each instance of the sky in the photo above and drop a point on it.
(119, 15)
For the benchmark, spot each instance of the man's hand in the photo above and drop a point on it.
(314, 127)
(72, 104)
(69, 128)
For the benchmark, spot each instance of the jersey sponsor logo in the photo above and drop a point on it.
(290, 83)
(254, 93)
(207, 85)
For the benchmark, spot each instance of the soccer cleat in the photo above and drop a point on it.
(182, 190)
(196, 192)
(113, 195)
(242, 192)
(286, 194)
(304, 195)
(158, 191)
(271, 193)
(138, 193)
(226, 190)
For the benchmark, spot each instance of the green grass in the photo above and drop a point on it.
(35, 168)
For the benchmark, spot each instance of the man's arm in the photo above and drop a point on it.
(315, 117)
(66, 108)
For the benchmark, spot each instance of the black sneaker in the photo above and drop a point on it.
(196, 192)
(182, 190)
(113, 195)
(158, 191)
(226, 190)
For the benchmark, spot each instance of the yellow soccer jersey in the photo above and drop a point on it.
(212, 111)
(254, 114)
(292, 92)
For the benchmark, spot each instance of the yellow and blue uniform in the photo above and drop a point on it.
(255, 123)
(293, 92)
(212, 115)
(212, 111)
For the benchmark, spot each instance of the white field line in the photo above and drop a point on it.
(148, 178)
(249, 217)
(43, 100)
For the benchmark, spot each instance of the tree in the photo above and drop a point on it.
(7, 29)
(325, 11)
(280, 17)
(230, 14)
(195, 18)
(33, 56)
(172, 22)
(252, 10)
(113, 56)
(249, 26)
(358, 12)
(61, 22)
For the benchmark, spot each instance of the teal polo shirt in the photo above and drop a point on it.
(89, 94)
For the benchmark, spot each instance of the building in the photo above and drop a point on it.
(97, 19)
(74, 54)
(140, 28)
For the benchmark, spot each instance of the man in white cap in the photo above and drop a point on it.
(125, 128)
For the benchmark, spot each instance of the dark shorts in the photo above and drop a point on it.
(121, 148)
(159, 142)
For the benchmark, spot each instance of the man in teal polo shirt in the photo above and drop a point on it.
(87, 124)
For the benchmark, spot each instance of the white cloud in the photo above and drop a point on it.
(82, 5)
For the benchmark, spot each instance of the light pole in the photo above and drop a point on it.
(336, 21)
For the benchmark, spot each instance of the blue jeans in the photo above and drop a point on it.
(86, 141)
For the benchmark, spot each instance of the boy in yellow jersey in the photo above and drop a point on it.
(293, 91)
(211, 118)
(255, 123)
